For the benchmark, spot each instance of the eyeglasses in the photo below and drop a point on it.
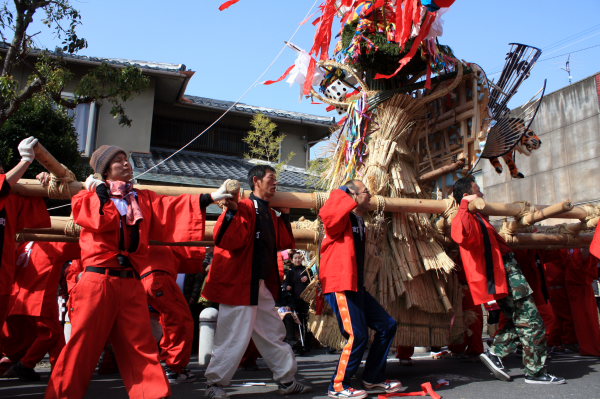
(363, 192)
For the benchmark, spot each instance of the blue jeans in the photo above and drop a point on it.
(356, 312)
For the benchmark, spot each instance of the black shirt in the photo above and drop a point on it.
(359, 232)
(265, 241)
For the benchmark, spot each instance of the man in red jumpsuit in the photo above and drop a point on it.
(159, 278)
(582, 269)
(16, 213)
(32, 328)
(494, 274)
(561, 333)
(244, 280)
(109, 303)
(342, 280)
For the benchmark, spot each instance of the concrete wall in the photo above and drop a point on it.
(567, 165)
(134, 138)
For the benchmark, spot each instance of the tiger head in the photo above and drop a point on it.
(528, 143)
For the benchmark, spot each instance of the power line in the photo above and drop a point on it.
(570, 52)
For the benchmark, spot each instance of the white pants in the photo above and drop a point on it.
(236, 325)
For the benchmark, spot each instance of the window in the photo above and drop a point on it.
(84, 121)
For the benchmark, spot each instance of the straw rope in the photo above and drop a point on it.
(72, 229)
(58, 188)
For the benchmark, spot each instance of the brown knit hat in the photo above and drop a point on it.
(101, 158)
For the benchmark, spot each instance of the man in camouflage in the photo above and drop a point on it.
(493, 274)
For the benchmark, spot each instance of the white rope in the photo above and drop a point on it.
(259, 79)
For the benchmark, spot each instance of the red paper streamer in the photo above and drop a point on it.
(429, 19)
(227, 4)
(285, 75)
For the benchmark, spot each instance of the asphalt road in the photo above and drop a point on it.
(467, 379)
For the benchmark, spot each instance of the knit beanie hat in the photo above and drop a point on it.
(100, 159)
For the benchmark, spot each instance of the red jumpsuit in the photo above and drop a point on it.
(32, 328)
(562, 331)
(16, 213)
(159, 278)
(107, 303)
(581, 271)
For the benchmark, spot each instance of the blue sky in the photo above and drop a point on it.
(230, 49)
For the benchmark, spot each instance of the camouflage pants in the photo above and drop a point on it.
(525, 323)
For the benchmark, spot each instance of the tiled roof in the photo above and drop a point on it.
(251, 109)
(208, 170)
(156, 66)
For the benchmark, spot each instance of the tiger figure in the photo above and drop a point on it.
(528, 143)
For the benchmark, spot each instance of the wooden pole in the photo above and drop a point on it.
(59, 223)
(33, 188)
(43, 156)
(434, 174)
(547, 212)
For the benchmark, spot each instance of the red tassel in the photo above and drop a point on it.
(429, 19)
(227, 4)
(310, 73)
(427, 391)
(285, 75)
(428, 80)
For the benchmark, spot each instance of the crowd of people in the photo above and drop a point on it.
(117, 283)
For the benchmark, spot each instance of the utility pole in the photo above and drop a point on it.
(567, 68)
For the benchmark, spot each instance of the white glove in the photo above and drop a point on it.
(221, 193)
(91, 183)
(26, 149)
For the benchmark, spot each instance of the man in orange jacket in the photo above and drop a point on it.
(16, 213)
(34, 308)
(342, 280)
(108, 302)
(493, 274)
(244, 280)
(159, 278)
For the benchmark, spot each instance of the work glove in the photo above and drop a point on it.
(221, 193)
(26, 149)
(91, 183)
(102, 193)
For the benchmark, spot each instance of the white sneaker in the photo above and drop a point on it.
(216, 392)
(293, 387)
(348, 393)
(389, 386)
(185, 376)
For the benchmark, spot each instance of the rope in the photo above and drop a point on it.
(59, 187)
(72, 229)
(319, 199)
(236, 102)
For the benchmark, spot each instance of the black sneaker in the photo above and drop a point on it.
(494, 363)
(22, 372)
(175, 378)
(545, 378)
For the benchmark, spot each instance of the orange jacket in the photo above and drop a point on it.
(166, 218)
(21, 212)
(338, 270)
(229, 280)
(39, 267)
(468, 234)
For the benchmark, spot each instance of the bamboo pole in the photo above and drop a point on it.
(532, 239)
(60, 223)
(296, 200)
(546, 213)
(43, 156)
(514, 209)
(434, 174)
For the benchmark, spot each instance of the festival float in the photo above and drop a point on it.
(415, 118)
